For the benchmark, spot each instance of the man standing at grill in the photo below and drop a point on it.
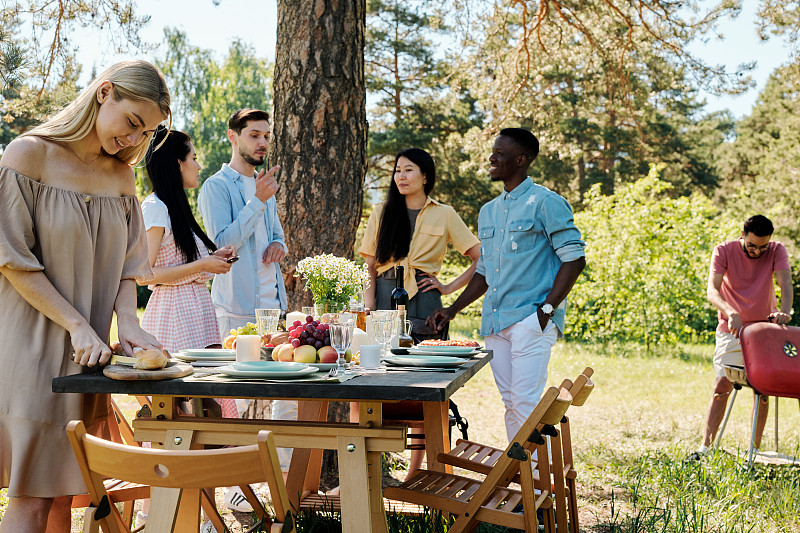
(740, 285)
(531, 256)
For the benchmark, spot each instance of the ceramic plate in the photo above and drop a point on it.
(434, 350)
(211, 354)
(266, 369)
(445, 349)
(425, 360)
(208, 364)
(323, 366)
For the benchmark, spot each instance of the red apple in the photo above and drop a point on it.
(327, 354)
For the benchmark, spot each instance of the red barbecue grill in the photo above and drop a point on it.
(771, 368)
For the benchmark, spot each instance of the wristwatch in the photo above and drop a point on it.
(547, 309)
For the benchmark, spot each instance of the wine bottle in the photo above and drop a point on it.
(399, 294)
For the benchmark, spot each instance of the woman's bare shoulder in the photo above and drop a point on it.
(127, 177)
(26, 155)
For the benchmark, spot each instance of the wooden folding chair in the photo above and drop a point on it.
(480, 458)
(118, 491)
(190, 470)
(491, 500)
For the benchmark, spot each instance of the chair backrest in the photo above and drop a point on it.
(582, 387)
(188, 469)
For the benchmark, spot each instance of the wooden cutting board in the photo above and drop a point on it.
(127, 373)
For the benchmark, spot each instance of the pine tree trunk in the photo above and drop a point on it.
(319, 132)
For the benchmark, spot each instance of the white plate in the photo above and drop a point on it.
(208, 364)
(267, 369)
(419, 351)
(211, 354)
(323, 366)
(190, 359)
(445, 349)
(441, 361)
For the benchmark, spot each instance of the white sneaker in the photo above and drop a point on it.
(208, 527)
(141, 518)
(235, 500)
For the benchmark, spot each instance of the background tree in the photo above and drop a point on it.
(320, 129)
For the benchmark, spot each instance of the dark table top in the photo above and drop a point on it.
(392, 386)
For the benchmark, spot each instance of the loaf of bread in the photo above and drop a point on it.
(150, 359)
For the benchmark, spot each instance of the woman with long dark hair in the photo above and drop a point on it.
(412, 230)
(180, 312)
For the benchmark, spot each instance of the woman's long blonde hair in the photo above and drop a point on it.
(134, 80)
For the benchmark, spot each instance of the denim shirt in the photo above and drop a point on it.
(229, 220)
(526, 235)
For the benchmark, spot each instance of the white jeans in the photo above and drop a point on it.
(521, 353)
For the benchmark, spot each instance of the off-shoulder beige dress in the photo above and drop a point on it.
(84, 245)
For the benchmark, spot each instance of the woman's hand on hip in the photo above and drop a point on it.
(90, 350)
(431, 283)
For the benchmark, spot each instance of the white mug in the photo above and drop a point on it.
(370, 356)
(248, 348)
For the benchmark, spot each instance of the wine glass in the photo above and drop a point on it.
(341, 337)
(384, 330)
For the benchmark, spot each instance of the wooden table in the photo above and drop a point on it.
(359, 446)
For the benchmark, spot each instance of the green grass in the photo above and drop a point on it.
(644, 416)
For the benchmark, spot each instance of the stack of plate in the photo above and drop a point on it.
(451, 351)
(431, 361)
(206, 357)
(266, 370)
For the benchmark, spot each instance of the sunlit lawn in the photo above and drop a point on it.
(643, 418)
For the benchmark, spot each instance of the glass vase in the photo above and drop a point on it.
(324, 308)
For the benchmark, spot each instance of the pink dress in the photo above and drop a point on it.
(180, 314)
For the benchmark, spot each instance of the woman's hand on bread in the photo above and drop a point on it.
(132, 335)
(90, 350)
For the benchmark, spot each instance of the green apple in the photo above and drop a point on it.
(348, 355)
(305, 354)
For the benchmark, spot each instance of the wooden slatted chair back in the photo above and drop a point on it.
(185, 469)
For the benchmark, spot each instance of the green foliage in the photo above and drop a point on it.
(647, 261)
(207, 92)
(763, 164)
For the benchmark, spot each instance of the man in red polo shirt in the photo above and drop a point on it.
(740, 286)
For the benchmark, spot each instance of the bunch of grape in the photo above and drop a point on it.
(312, 333)
(247, 329)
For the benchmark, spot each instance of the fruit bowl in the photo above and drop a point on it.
(266, 353)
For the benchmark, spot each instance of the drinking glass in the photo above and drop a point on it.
(267, 320)
(341, 337)
(384, 331)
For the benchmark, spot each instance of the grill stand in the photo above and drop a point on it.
(751, 455)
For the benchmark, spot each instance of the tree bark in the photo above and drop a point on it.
(319, 134)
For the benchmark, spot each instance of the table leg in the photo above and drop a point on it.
(304, 461)
(437, 439)
(370, 415)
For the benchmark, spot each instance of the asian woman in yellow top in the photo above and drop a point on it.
(413, 230)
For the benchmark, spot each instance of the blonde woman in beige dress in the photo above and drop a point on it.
(72, 243)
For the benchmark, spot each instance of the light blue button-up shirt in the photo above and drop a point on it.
(526, 235)
(231, 219)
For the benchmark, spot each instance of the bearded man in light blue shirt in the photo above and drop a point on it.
(531, 256)
(238, 208)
